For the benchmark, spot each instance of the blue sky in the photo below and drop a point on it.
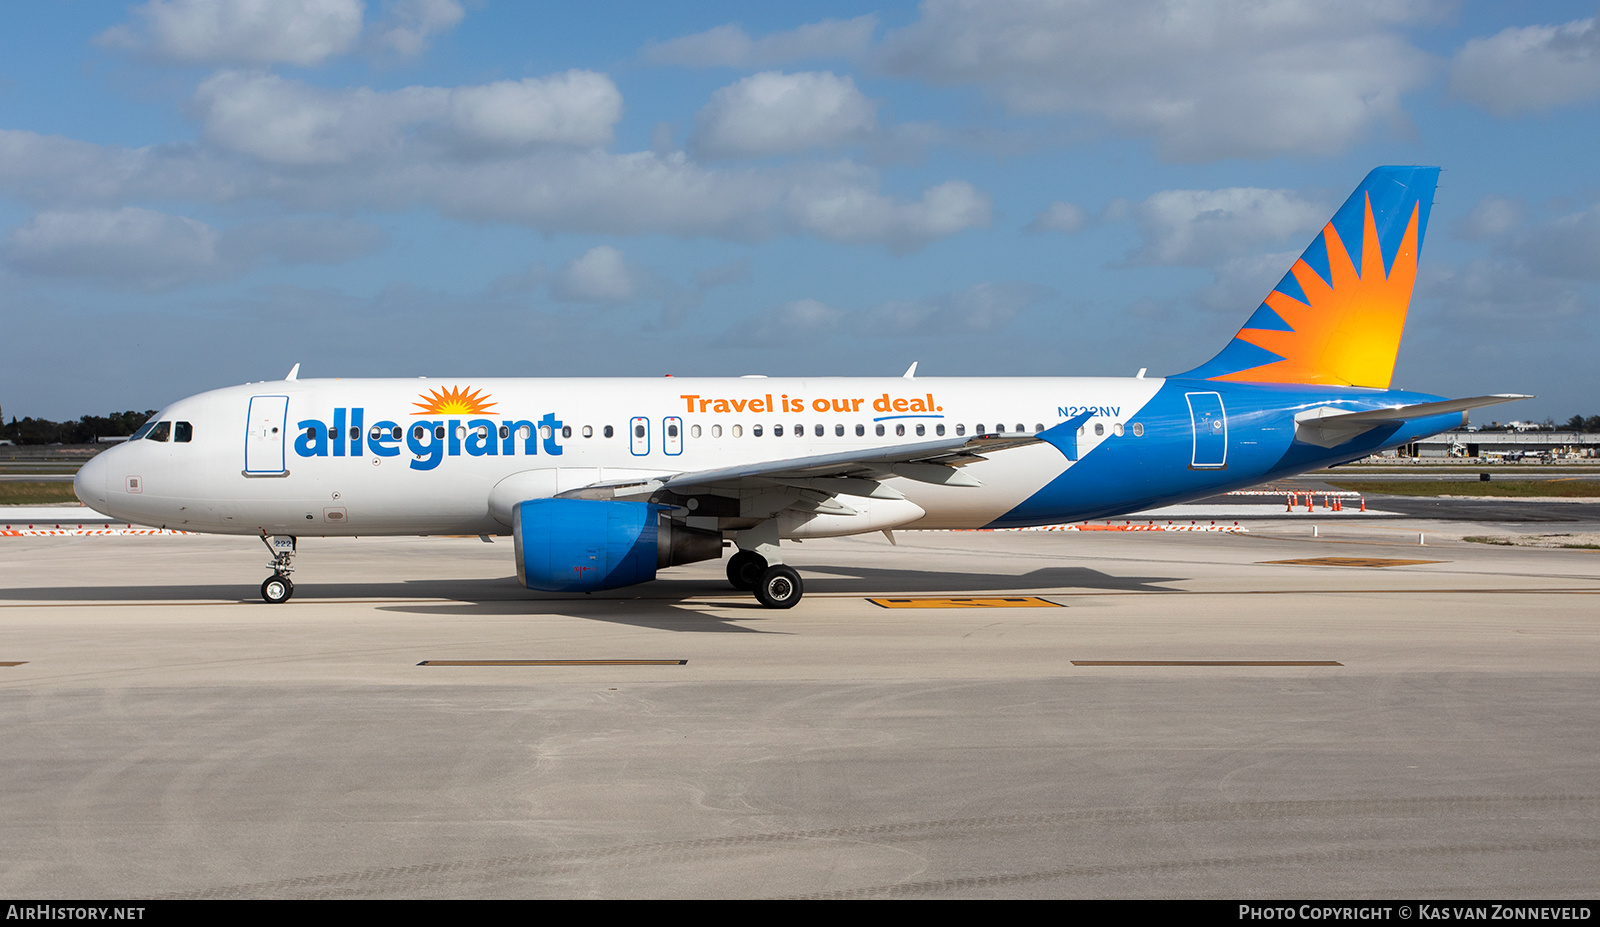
(199, 194)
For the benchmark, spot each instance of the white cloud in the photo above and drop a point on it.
(132, 246)
(599, 275)
(773, 113)
(575, 108)
(1067, 218)
(856, 215)
(1205, 81)
(554, 190)
(1530, 69)
(409, 24)
(731, 46)
(286, 121)
(1200, 227)
(299, 32)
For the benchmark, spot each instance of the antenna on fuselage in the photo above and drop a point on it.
(294, 373)
(911, 372)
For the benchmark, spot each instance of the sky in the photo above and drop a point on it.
(198, 194)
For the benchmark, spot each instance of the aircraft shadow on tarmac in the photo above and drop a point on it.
(635, 605)
(642, 606)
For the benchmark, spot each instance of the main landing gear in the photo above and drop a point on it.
(775, 586)
(277, 589)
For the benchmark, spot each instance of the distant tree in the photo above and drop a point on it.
(83, 431)
(1574, 423)
(1592, 423)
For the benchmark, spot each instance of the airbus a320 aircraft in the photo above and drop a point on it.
(602, 482)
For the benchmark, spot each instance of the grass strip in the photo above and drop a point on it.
(21, 492)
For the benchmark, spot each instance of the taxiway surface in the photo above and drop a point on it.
(169, 735)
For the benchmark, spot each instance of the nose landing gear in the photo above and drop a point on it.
(277, 589)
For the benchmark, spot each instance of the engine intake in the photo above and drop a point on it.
(581, 545)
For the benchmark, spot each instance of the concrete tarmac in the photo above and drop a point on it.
(169, 735)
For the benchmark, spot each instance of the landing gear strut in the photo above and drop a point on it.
(278, 588)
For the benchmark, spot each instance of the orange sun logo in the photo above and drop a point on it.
(454, 401)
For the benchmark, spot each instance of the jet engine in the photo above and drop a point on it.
(580, 545)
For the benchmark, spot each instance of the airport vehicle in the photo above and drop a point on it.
(603, 482)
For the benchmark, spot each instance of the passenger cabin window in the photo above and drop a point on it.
(638, 431)
(183, 433)
(818, 431)
(609, 432)
(1099, 428)
(588, 431)
(162, 432)
(900, 431)
(938, 430)
(777, 431)
(566, 431)
(716, 431)
(861, 430)
(961, 430)
(694, 431)
(922, 430)
(1138, 429)
(880, 431)
(755, 430)
(838, 431)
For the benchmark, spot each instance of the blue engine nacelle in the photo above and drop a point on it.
(581, 545)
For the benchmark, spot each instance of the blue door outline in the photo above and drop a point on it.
(1209, 421)
(265, 434)
(639, 436)
(672, 436)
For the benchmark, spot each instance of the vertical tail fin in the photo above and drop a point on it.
(1337, 315)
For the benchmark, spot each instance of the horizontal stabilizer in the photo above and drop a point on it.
(1330, 427)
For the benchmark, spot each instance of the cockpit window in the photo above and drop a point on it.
(162, 432)
(143, 430)
(183, 432)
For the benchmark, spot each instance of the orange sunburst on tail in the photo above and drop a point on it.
(1337, 316)
(1347, 333)
(454, 401)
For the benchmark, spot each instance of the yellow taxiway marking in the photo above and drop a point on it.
(553, 663)
(1352, 561)
(1206, 663)
(1026, 601)
(12, 662)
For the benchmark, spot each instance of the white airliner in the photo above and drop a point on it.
(604, 481)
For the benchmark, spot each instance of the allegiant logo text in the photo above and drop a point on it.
(429, 441)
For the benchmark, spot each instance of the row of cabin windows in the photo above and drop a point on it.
(179, 432)
(881, 430)
(184, 431)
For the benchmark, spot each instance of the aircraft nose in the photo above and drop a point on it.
(89, 485)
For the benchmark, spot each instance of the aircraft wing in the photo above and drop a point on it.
(854, 472)
(1330, 427)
